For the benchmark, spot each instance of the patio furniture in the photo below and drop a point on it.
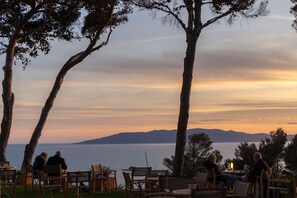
(140, 173)
(240, 189)
(34, 176)
(137, 187)
(201, 179)
(104, 178)
(78, 181)
(53, 180)
(8, 183)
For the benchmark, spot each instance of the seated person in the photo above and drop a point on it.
(246, 170)
(39, 163)
(57, 160)
(210, 164)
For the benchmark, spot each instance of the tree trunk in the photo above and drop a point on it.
(73, 61)
(30, 148)
(184, 104)
(8, 98)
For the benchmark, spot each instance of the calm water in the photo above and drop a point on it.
(115, 156)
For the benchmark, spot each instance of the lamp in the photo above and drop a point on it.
(231, 166)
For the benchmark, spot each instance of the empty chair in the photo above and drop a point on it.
(99, 176)
(30, 173)
(52, 181)
(134, 187)
(78, 181)
(241, 189)
(201, 179)
(140, 173)
(8, 183)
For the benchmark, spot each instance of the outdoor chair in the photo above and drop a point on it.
(201, 179)
(8, 183)
(262, 184)
(103, 177)
(30, 173)
(134, 187)
(140, 173)
(240, 189)
(78, 181)
(53, 180)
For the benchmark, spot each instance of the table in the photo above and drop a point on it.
(234, 172)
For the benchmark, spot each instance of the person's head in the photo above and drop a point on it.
(246, 168)
(58, 153)
(212, 158)
(257, 156)
(43, 155)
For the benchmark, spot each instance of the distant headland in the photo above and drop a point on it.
(169, 136)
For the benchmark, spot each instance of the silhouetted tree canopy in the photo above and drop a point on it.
(272, 148)
(188, 15)
(35, 24)
(290, 155)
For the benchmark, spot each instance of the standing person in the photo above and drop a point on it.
(39, 162)
(56, 160)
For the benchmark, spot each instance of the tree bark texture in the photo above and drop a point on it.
(184, 104)
(8, 98)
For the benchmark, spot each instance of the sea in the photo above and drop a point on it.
(79, 157)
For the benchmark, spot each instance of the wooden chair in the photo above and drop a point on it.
(51, 181)
(241, 189)
(78, 181)
(201, 179)
(8, 183)
(30, 173)
(103, 177)
(211, 178)
(140, 173)
(134, 187)
(262, 184)
(208, 193)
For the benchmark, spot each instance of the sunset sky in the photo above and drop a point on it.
(245, 79)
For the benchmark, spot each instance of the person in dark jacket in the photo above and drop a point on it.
(39, 162)
(56, 160)
(258, 167)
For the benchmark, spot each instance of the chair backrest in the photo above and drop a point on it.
(201, 178)
(77, 177)
(241, 188)
(53, 170)
(127, 180)
(207, 193)
(140, 172)
(264, 182)
(97, 168)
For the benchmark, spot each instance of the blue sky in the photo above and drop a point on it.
(244, 79)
